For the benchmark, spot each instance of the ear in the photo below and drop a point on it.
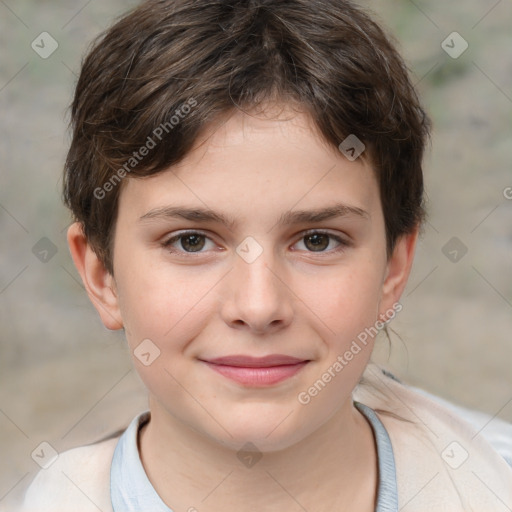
(98, 282)
(398, 269)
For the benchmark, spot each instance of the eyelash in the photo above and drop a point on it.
(343, 244)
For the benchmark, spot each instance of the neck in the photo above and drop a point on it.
(335, 466)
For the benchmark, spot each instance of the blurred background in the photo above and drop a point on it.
(66, 380)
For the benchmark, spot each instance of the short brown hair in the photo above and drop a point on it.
(327, 56)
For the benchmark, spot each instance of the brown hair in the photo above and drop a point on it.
(214, 56)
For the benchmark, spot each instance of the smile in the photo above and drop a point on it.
(257, 372)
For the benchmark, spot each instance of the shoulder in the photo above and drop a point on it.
(78, 480)
(442, 461)
(496, 431)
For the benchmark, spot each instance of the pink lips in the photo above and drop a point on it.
(257, 371)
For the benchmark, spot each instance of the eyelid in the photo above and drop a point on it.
(337, 234)
(176, 235)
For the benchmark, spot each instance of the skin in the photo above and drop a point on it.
(292, 299)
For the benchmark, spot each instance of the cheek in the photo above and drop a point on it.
(347, 304)
(162, 303)
(163, 311)
(348, 300)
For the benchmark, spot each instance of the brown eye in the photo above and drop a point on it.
(192, 242)
(317, 241)
(322, 242)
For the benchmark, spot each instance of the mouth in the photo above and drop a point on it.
(257, 371)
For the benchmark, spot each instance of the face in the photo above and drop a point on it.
(263, 243)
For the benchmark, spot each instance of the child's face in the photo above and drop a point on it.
(213, 301)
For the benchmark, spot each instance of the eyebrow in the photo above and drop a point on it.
(289, 218)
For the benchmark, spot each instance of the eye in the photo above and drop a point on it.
(187, 242)
(190, 242)
(319, 241)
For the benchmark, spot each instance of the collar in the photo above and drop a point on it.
(131, 490)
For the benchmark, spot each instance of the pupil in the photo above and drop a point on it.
(193, 242)
(318, 241)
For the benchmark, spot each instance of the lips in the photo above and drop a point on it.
(257, 371)
(256, 362)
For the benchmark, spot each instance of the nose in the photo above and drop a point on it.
(256, 295)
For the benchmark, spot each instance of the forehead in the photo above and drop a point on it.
(273, 159)
(272, 128)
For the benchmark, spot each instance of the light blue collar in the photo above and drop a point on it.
(387, 492)
(131, 490)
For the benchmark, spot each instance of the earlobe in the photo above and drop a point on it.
(98, 282)
(397, 271)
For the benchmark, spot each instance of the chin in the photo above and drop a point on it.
(267, 431)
